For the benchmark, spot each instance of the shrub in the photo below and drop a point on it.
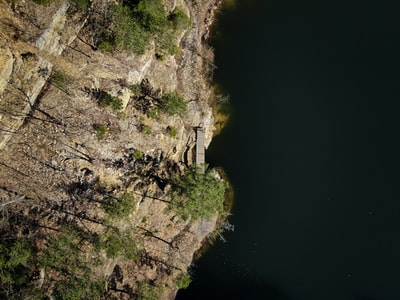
(134, 26)
(118, 208)
(43, 2)
(173, 104)
(167, 43)
(14, 256)
(105, 99)
(137, 154)
(81, 4)
(184, 281)
(180, 21)
(154, 113)
(101, 131)
(171, 131)
(74, 288)
(136, 88)
(145, 129)
(107, 45)
(117, 243)
(152, 15)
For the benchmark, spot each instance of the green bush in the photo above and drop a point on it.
(136, 89)
(63, 252)
(76, 288)
(180, 21)
(82, 4)
(152, 15)
(184, 281)
(105, 99)
(117, 243)
(171, 131)
(107, 45)
(132, 28)
(14, 257)
(101, 131)
(145, 129)
(173, 104)
(167, 43)
(43, 2)
(154, 113)
(137, 154)
(121, 207)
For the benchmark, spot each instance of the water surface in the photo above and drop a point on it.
(312, 151)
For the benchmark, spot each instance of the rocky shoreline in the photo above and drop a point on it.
(49, 150)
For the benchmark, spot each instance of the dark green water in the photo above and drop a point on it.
(312, 151)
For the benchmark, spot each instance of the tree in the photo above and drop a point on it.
(14, 259)
(198, 193)
(152, 15)
(119, 243)
(118, 208)
(127, 32)
(75, 288)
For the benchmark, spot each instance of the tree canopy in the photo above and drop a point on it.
(198, 193)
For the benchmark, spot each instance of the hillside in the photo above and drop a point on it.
(96, 136)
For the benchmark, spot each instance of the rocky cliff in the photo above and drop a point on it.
(62, 152)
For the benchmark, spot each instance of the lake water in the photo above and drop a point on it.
(312, 151)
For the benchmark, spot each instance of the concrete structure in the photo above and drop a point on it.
(200, 148)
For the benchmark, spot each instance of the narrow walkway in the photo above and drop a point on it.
(200, 149)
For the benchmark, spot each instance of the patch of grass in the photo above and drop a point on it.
(60, 79)
(43, 2)
(171, 131)
(107, 45)
(81, 4)
(154, 113)
(101, 131)
(180, 21)
(136, 89)
(137, 154)
(145, 129)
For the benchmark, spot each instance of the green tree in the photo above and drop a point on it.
(119, 243)
(198, 193)
(121, 207)
(15, 257)
(77, 288)
(173, 104)
(147, 291)
(152, 15)
(128, 34)
(63, 252)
